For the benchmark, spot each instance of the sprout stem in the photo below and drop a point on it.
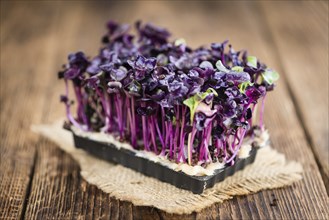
(261, 116)
(68, 112)
(238, 147)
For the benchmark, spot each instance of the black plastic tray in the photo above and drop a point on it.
(196, 184)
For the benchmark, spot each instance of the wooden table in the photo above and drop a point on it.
(37, 180)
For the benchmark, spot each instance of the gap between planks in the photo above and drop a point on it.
(29, 185)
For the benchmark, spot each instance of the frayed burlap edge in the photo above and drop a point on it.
(270, 170)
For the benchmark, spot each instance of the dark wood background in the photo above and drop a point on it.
(37, 180)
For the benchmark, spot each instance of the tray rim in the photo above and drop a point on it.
(202, 182)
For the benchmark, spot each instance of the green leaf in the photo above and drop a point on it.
(180, 41)
(252, 61)
(195, 100)
(270, 76)
(192, 104)
(207, 92)
(237, 68)
(243, 86)
(220, 66)
(211, 90)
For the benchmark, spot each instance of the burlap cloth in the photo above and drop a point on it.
(270, 170)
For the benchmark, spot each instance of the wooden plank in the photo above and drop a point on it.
(303, 51)
(57, 190)
(21, 83)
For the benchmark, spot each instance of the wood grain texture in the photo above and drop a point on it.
(305, 41)
(21, 82)
(36, 171)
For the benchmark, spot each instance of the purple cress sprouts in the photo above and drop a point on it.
(193, 106)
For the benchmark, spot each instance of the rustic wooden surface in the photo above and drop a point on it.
(37, 180)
